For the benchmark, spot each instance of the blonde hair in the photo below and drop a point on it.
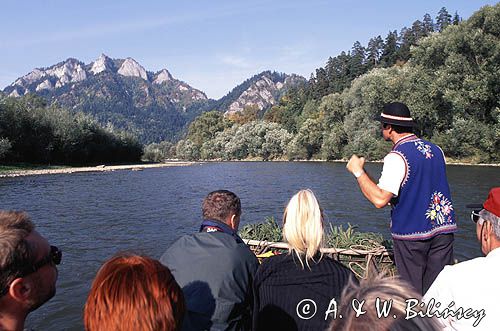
(303, 226)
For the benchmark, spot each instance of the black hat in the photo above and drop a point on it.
(396, 113)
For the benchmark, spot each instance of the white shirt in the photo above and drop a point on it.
(471, 284)
(393, 173)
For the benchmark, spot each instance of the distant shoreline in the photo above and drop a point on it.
(138, 167)
(448, 162)
(99, 168)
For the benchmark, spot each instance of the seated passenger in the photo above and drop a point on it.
(134, 293)
(394, 296)
(28, 270)
(471, 286)
(293, 291)
(215, 268)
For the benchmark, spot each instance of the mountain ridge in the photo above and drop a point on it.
(153, 105)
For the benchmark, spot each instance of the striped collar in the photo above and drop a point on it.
(404, 139)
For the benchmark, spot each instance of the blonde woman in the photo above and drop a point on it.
(294, 291)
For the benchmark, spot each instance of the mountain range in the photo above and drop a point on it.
(153, 105)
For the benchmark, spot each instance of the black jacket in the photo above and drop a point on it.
(289, 297)
(215, 271)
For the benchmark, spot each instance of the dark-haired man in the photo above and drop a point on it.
(27, 269)
(414, 183)
(215, 268)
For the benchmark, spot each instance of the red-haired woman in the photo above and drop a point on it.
(133, 292)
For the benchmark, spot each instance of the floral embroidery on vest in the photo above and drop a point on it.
(439, 209)
(424, 149)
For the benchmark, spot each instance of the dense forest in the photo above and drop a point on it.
(446, 70)
(32, 132)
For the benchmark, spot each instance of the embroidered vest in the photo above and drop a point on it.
(423, 208)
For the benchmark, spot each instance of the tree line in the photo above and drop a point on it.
(32, 132)
(447, 73)
(342, 69)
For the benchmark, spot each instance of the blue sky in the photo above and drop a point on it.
(212, 45)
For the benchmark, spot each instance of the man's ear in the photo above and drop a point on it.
(389, 127)
(487, 236)
(21, 289)
(233, 221)
(487, 230)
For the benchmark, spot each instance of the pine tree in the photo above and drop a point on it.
(427, 25)
(443, 19)
(417, 31)
(322, 83)
(456, 19)
(390, 51)
(358, 60)
(374, 50)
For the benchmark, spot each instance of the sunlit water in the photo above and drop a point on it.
(92, 216)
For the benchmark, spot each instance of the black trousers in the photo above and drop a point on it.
(419, 262)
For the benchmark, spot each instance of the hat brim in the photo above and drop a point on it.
(408, 124)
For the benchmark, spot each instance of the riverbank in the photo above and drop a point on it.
(99, 168)
(256, 159)
(18, 172)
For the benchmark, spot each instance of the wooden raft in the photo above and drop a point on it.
(361, 261)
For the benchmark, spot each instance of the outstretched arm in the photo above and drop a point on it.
(379, 197)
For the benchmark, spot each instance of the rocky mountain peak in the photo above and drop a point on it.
(263, 91)
(102, 63)
(68, 71)
(132, 68)
(163, 76)
(29, 78)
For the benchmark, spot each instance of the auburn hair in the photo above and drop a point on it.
(132, 292)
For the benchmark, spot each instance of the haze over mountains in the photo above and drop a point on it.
(153, 105)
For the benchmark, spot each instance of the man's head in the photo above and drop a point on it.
(395, 119)
(370, 291)
(488, 221)
(27, 265)
(223, 206)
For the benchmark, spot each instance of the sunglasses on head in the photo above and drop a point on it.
(474, 216)
(54, 257)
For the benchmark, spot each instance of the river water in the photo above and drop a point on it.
(92, 216)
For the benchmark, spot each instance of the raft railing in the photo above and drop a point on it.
(363, 262)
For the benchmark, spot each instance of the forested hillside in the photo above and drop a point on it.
(31, 131)
(447, 71)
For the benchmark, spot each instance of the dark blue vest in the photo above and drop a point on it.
(423, 208)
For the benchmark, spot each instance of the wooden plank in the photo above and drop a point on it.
(381, 251)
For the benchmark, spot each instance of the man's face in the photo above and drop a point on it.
(45, 277)
(385, 131)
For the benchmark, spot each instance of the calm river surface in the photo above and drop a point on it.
(92, 216)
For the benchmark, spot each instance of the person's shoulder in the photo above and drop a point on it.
(334, 264)
(276, 259)
(471, 266)
(273, 265)
(277, 263)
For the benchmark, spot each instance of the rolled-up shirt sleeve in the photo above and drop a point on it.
(393, 173)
